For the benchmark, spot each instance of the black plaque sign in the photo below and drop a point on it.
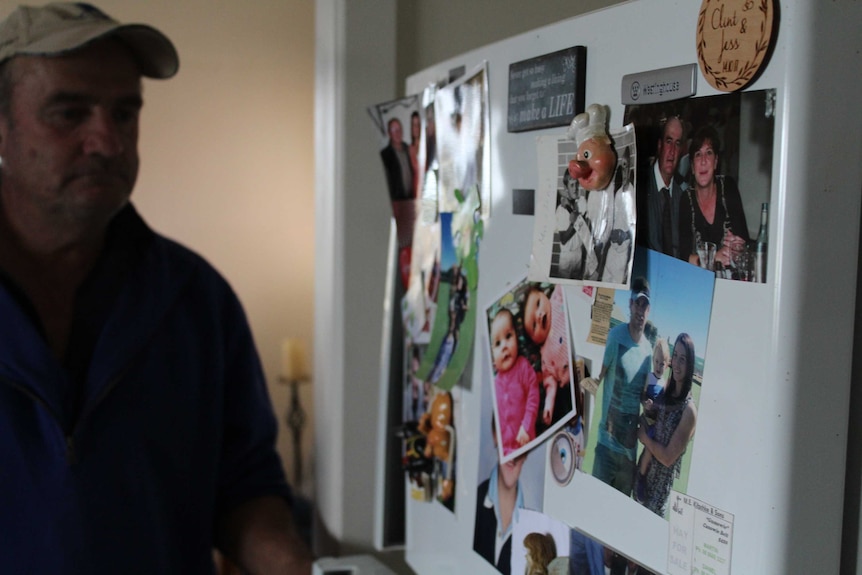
(547, 90)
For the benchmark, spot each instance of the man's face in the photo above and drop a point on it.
(511, 471)
(395, 133)
(69, 143)
(639, 313)
(670, 149)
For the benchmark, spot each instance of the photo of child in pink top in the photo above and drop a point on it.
(531, 353)
(515, 384)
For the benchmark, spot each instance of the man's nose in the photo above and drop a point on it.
(104, 136)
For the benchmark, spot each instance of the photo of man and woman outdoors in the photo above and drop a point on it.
(649, 383)
(531, 355)
(704, 187)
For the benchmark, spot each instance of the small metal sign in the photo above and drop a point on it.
(660, 85)
(547, 90)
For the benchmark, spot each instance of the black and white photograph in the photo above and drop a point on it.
(585, 220)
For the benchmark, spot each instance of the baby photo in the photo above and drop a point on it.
(531, 355)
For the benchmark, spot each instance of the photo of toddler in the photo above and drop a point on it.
(531, 354)
(515, 384)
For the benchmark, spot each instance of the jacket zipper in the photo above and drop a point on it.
(68, 437)
(68, 434)
(71, 450)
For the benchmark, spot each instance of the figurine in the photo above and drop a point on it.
(593, 166)
(440, 439)
(435, 425)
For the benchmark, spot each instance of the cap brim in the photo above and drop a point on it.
(153, 50)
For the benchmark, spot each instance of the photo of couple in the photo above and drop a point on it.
(704, 188)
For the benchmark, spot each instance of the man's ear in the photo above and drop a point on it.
(4, 128)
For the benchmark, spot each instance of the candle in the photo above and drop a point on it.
(294, 360)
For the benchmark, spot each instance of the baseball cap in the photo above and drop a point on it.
(62, 27)
(640, 289)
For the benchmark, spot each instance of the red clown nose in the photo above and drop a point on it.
(579, 169)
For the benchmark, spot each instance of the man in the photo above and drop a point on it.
(619, 254)
(573, 230)
(625, 366)
(396, 162)
(662, 191)
(498, 501)
(135, 427)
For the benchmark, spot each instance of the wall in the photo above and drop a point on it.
(430, 31)
(227, 156)
(355, 64)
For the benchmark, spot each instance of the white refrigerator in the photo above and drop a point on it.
(770, 447)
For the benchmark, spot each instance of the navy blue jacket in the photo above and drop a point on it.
(174, 428)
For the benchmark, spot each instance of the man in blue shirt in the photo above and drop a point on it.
(625, 366)
(135, 427)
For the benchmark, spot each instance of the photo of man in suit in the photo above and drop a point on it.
(661, 189)
(396, 162)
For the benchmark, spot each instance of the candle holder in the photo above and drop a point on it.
(295, 418)
(294, 371)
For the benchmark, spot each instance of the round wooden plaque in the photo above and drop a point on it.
(733, 40)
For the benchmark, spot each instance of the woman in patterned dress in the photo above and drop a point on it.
(674, 427)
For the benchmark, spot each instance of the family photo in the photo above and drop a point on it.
(704, 187)
(649, 382)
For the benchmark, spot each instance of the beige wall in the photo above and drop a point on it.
(227, 156)
(430, 31)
